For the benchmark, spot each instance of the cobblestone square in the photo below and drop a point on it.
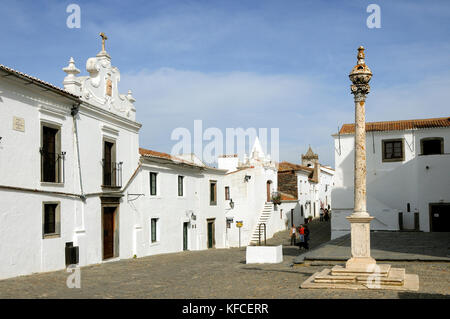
(215, 273)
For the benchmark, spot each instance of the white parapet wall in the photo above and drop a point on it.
(264, 254)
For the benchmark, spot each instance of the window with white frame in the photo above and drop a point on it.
(52, 158)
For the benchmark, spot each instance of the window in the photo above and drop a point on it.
(51, 220)
(180, 185)
(227, 192)
(393, 150)
(112, 170)
(154, 230)
(213, 193)
(432, 145)
(153, 183)
(52, 159)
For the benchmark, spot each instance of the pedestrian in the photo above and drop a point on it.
(306, 232)
(327, 216)
(321, 214)
(293, 234)
(301, 237)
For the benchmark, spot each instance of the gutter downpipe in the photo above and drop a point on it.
(74, 112)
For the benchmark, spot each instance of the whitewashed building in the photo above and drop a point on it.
(66, 157)
(176, 205)
(408, 175)
(304, 189)
(248, 189)
(73, 175)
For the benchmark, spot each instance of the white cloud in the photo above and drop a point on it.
(304, 109)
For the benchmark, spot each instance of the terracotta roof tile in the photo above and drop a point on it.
(399, 125)
(286, 166)
(39, 81)
(176, 160)
(285, 196)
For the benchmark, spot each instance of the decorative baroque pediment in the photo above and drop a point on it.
(101, 87)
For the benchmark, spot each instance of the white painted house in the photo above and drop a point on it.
(408, 172)
(66, 156)
(72, 175)
(304, 189)
(249, 186)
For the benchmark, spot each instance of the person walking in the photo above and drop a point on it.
(301, 237)
(293, 235)
(306, 232)
(321, 214)
(327, 216)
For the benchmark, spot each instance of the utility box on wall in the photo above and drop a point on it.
(72, 254)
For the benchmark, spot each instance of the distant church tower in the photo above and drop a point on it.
(310, 159)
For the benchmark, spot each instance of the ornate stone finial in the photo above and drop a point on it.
(361, 56)
(130, 97)
(71, 82)
(360, 77)
(104, 37)
(71, 69)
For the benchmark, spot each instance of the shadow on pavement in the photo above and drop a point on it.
(421, 295)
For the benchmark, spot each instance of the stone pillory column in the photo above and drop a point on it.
(360, 219)
(361, 270)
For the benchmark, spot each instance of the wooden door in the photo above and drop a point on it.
(108, 232)
(185, 236)
(211, 235)
(268, 191)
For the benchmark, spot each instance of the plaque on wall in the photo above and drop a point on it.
(18, 124)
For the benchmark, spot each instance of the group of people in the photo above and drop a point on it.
(324, 214)
(300, 236)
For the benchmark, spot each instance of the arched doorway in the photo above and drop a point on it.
(268, 191)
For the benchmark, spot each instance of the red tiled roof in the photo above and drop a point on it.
(176, 160)
(36, 80)
(398, 125)
(145, 152)
(285, 196)
(286, 166)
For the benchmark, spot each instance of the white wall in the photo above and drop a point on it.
(392, 185)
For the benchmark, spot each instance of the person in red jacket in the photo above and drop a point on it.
(301, 235)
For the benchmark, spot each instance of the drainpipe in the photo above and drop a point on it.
(74, 113)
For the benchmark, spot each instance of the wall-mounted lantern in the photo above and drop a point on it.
(231, 203)
(247, 178)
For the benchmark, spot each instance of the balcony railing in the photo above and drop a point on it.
(112, 173)
(52, 167)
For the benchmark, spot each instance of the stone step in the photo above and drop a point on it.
(321, 280)
(396, 277)
(325, 276)
(380, 270)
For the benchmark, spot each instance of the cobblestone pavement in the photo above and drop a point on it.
(217, 273)
(392, 246)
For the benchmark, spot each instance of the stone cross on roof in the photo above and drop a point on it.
(104, 37)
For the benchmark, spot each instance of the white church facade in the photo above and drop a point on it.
(75, 184)
(408, 175)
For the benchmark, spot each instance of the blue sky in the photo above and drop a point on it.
(259, 64)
